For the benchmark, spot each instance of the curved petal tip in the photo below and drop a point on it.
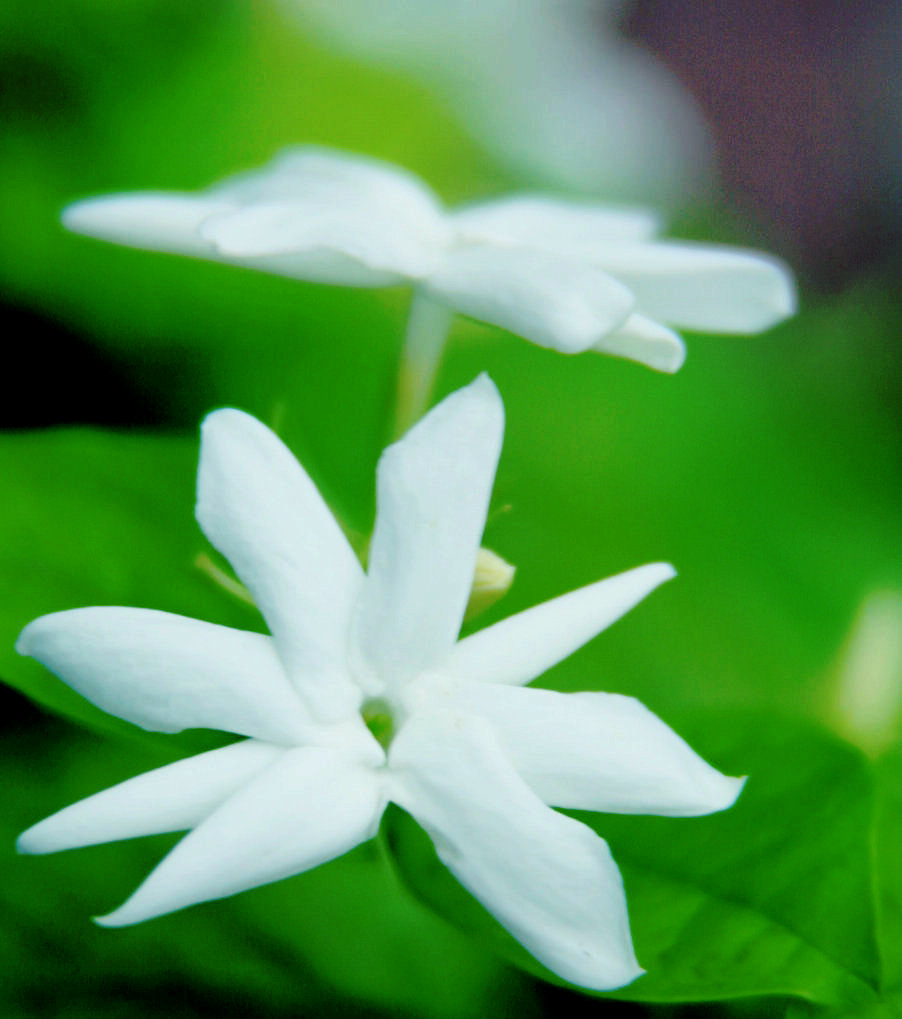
(129, 913)
(732, 789)
(23, 641)
(661, 571)
(29, 842)
(113, 920)
(675, 359)
(715, 792)
(485, 387)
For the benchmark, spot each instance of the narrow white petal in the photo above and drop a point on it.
(155, 221)
(545, 877)
(173, 798)
(523, 646)
(702, 286)
(433, 494)
(257, 506)
(310, 806)
(648, 342)
(552, 224)
(167, 673)
(599, 751)
(554, 300)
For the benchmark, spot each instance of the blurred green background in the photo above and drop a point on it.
(767, 471)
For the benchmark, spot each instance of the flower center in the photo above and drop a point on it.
(377, 717)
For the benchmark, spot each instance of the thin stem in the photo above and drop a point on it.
(234, 587)
(427, 329)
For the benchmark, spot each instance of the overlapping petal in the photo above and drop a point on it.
(545, 877)
(552, 224)
(308, 807)
(599, 751)
(315, 172)
(310, 213)
(521, 647)
(329, 243)
(172, 798)
(553, 299)
(433, 492)
(156, 221)
(646, 341)
(340, 219)
(703, 286)
(167, 673)
(259, 508)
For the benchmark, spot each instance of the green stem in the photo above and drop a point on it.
(427, 329)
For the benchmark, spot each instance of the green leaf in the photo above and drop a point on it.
(772, 897)
(888, 841)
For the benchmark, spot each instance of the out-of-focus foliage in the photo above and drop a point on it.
(549, 88)
(767, 471)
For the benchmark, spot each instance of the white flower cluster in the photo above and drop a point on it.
(568, 275)
(363, 694)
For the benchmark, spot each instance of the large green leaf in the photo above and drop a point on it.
(888, 842)
(887, 838)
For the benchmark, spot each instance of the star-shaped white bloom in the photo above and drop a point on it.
(474, 757)
(567, 275)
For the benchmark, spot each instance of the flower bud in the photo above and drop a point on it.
(491, 581)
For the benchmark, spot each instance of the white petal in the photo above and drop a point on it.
(257, 506)
(641, 339)
(554, 300)
(433, 495)
(702, 286)
(552, 224)
(599, 751)
(173, 798)
(523, 646)
(155, 221)
(545, 877)
(308, 807)
(167, 673)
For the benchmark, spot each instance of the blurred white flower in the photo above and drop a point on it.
(566, 275)
(550, 88)
(462, 746)
(866, 706)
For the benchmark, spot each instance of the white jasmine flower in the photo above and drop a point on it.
(567, 275)
(469, 752)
